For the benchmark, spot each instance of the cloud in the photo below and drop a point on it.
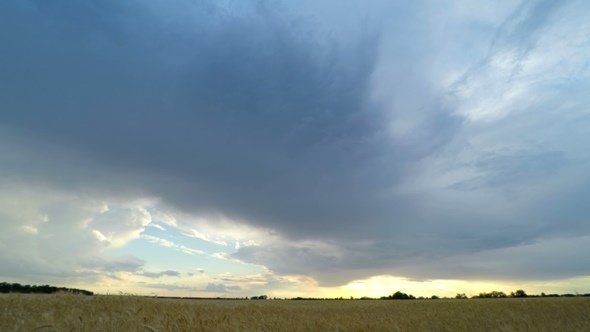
(518, 66)
(170, 244)
(156, 275)
(280, 120)
(220, 288)
(54, 234)
(255, 279)
(509, 168)
(415, 135)
(542, 260)
(172, 287)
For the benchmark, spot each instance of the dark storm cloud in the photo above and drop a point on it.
(258, 115)
(512, 197)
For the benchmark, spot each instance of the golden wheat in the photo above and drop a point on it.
(68, 312)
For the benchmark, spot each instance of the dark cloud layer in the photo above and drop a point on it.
(260, 117)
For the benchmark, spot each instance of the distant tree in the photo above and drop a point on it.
(496, 294)
(27, 289)
(434, 297)
(261, 297)
(518, 293)
(461, 296)
(45, 289)
(5, 287)
(399, 296)
(493, 294)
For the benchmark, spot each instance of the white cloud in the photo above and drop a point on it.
(157, 226)
(172, 245)
(50, 233)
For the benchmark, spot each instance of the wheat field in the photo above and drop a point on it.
(69, 312)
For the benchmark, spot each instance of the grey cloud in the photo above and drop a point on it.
(261, 119)
(220, 288)
(201, 271)
(516, 168)
(524, 24)
(124, 263)
(542, 259)
(25, 267)
(156, 275)
(171, 287)
(248, 279)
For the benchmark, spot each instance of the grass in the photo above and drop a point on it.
(68, 312)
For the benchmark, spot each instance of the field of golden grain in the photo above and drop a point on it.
(68, 312)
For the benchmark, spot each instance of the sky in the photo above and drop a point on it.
(295, 148)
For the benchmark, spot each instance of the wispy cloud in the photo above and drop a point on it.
(172, 245)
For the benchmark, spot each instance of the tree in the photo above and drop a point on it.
(44, 289)
(5, 287)
(461, 296)
(261, 297)
(399, 296)
(492, 294)
(518, 293)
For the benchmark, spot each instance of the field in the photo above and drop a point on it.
(67, 312)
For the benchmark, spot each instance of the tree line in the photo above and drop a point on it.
(399, 295)
(42, 289)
